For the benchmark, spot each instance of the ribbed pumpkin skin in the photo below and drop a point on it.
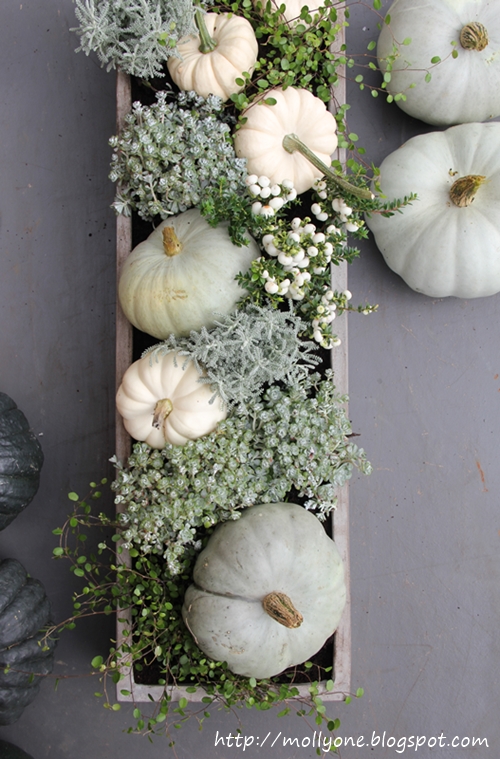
(9, 751)
(24, 610)
(21, 460)
(271, 548)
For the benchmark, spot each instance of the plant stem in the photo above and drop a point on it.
(474, 36)
(463, 190)
(292, 143)
(171, 243)
(208, 44)
(282, 610)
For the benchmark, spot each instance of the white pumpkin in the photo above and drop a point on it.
(299, 113)
(448, 241)
(175, 281)
(210, 65)
(268, 590)
(462, 89)
(160, 402)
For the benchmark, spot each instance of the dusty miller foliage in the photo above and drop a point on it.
(136, 36)
(244, 351)
(292, 438)
(169, 153)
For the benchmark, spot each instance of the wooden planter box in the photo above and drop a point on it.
(340, 519)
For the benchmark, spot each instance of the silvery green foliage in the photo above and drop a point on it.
(169, 152)
(244, 351)
(293, 437)
(137, 36)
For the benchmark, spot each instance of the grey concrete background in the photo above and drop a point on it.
(425, 398)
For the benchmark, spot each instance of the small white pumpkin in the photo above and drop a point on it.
(462, 89)
(160, 402)
(448, 241)
(177, 279)
(268, 590)
(297, 114)
(210, 63)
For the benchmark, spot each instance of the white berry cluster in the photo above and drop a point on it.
(302, 252)
(268, 198)
(342, 213)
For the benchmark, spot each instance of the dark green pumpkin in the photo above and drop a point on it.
(21, 459)
(9, 751)
(24, 660)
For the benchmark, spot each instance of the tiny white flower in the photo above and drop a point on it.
(319, 270)
(251, 179)
(309, 229)
(275, 189)
(264, 181)
(295, 223)
(256, 208)
(254, 189)
(312, 251)
(318, 335)
(322, 216)
(291, 195)
(271, 249)
(315, 209)
(287, 184)
(347, 294)
(328, 248)
(294, 236)
(265, 274)
(267, 239)
(319, 237)
(337, 342)
(323, 195)
(265, 192)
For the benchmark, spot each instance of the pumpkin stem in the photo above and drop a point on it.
(292, 143)
(282, 610)
(162, 409)
(474, 36)
(463, 190)
(208, 44)
(171, 243)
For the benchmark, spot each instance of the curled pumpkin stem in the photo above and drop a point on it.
(292, 143)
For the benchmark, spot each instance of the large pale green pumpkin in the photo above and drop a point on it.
(268, 590)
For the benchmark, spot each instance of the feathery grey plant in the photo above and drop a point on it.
(244, 351)
(293, 437)
(169, 153)
(136, 36)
